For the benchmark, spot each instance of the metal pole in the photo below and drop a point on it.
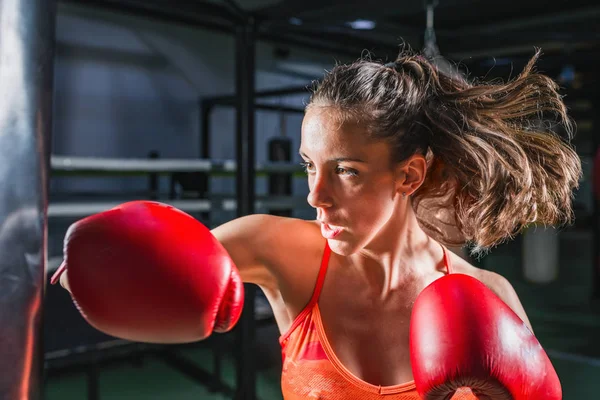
(26, 78)
(245, 69)
(205, 143)
(205, 128)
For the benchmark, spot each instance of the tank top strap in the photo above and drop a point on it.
(447, 260)
(321, 276)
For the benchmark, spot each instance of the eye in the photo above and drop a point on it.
(308, 167)
(346, 171)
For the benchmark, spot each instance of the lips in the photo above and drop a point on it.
(330, 231)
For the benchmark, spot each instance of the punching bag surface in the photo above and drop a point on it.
(26, 74)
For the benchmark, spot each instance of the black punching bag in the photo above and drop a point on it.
(26, 77)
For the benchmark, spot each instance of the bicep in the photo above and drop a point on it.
(242, 239)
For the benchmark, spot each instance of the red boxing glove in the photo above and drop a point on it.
(147, 272)
(463, 335)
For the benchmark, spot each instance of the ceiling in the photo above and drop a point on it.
(479, 34)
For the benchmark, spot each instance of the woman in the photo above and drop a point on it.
(402, 161)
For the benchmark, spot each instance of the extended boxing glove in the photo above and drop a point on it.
(145, 271)
(463, 335)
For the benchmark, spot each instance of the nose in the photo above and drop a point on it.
(320, 194)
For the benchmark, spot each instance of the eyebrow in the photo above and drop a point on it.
(338, 159)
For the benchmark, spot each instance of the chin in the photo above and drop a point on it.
(343, 248)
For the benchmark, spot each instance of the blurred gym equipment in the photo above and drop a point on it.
(491, 48)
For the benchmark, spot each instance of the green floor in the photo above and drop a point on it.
(154, 381)
(562, 315)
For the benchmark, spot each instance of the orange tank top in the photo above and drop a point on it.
(311, 369)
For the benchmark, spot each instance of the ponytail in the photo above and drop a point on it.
(500, 159)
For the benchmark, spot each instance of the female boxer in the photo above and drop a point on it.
(402, 161)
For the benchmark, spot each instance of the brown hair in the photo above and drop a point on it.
(499, 153)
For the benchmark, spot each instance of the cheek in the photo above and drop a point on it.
(372, 210)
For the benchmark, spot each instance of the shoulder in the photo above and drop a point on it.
(272, 242)
(265, 228)
(260, 225)
(496, 283)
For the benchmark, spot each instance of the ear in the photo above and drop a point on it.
(410, 174)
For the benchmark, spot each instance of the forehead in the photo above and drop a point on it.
(323, 130)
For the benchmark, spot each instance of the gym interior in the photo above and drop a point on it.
(199, 104)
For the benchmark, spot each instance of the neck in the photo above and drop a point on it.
(400, 252)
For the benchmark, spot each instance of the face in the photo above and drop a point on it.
(353, 185)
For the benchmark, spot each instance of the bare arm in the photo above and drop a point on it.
(246, 239)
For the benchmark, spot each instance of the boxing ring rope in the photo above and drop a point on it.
(82, 209)
(63, 164)
(91, 166)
